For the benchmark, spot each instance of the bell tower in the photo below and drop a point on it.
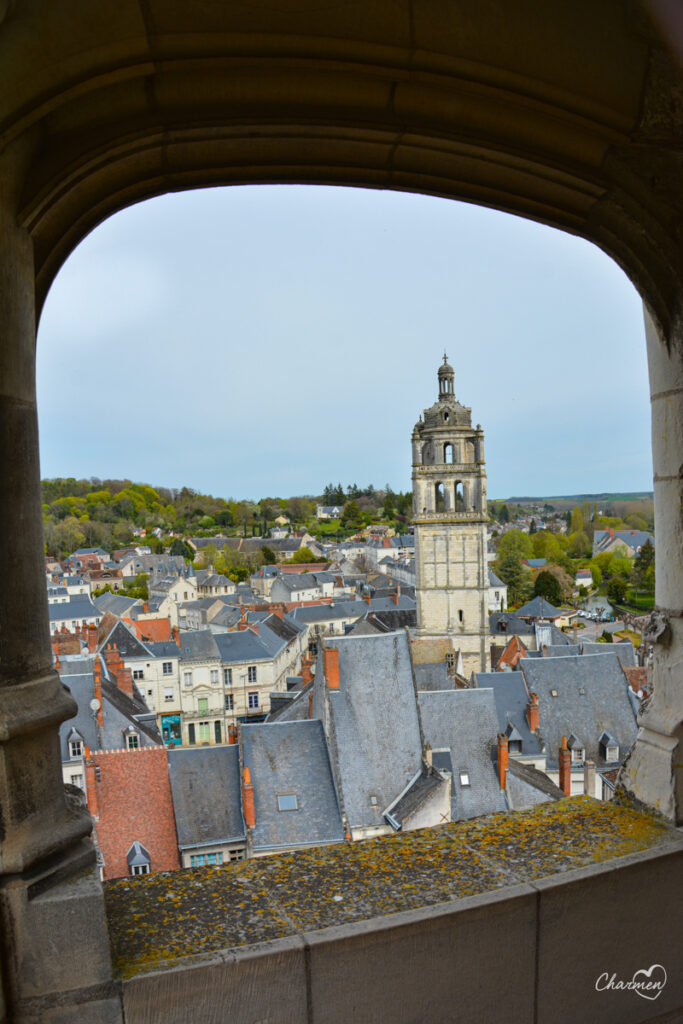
(449, 518)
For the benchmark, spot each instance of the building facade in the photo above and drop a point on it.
(449, 517)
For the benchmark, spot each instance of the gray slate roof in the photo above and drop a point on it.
(198, 645)
(207, 803)
(291, 758)
(115, 603)
(465, 723)
(377, 742)
(511, 698)
(433, 677)
(508, 624)
(126, 641)
(592, 697)
(538, 608)
(527, 787)
(79, 607)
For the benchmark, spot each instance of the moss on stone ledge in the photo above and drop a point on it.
(157, 920)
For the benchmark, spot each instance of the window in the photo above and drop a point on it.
(139, 869)
(229, 702)
(168, 693)
(214, 677)
(167, 668)
(190, 734)
(214, 858)
(450, 659)
(150, 693)
(287, 802)
(77, 780)
(132, 741)
(251, 674)
(235, 855)
(138, 859)
(227, 676)
(577, 754)
(138, 673)
(461, 616)
(253, 699)
(202, 705)
(187, 678)
(464, 778)
(204, 732)
(76, 748)
(217, 732)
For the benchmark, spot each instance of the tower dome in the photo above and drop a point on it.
(446, 377)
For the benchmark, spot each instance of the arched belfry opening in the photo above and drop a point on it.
(100, 112)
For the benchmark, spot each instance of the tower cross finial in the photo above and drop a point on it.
(445, 357)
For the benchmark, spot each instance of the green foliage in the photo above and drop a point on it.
(532, 526)
(515, 542)
(504, 514)
(305, 554)
(643, 576)
(616, 589)
(268, 556)
(579, 544)
(548, 586)
(517, 577)
(351, 516)
(605, 637)
(182, 548)
(596, 573)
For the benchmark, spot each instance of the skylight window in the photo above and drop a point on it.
(287, 802)
(464, 778)
(553, 693)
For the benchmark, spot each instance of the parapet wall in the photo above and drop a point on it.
(515, 917)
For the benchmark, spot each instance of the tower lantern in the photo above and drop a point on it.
(449, 518)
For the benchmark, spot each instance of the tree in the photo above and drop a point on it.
(606, 637)
(641, 577)
(579, 544)
(504, 514)
(180, 547)
(515, 542)
(532, 526)
(517, 577)
(576, 520)
(268, 556)
(305, 554)
(351, 516)
(616, 589)
(548, 586)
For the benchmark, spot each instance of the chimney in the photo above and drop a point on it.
(368, 598)
(428, 754)
(565, 762)
(278, 610)
(91, 785)
(502, 759)
(175, 633)
(145, 606)
(97, 681)
(56, 650)
(589, 778)
(532, 712)
(92, 638)
(124, 680)
(254, 627)
(395, 596)
(331, 667)
(306, 673)
(248, 798)
(310, 705)
(232, 735)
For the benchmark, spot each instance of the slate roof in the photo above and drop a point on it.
(377, 743)
(115, 603)
(495, 581)
(547, 635)
(592, 697)
(327, 612)
(634, 538)
(423, 787)
(433, 676)
(538, 608)
(119, 712)
(242, 645)
(127, 643)
(198, 645)
(291, 758)
(79, 607)
(207, 802)
(527, 786)
(163, 649)
(625, 652)
(511, 698)
(395, 618)
(465, 723)
(507, 624)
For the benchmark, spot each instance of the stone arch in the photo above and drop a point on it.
(449, 452)
(98, 112)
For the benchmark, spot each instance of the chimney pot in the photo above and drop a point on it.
(532, 712)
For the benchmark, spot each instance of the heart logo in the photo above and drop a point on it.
(655, 982)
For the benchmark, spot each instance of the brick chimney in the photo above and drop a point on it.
(502, 759)
(124, 680)
(565, 762)
(306, 670)
(92, 638)
(532, 712)
(175, 633)
(395, 596)
(331, 667)
(248, 798)
(367, 598)
(145, 606)
(310, 705)
(91, 785)
(97, 687)
(232, 735)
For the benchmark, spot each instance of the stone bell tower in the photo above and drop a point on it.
(449, 517)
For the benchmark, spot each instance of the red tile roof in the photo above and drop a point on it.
(151, 630)
(132, 800)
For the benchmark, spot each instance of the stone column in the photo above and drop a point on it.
(653, 771)
(52, 926)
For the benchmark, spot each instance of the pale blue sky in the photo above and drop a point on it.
(262, 341)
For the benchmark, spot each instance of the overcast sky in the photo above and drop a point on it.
(262, 341)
